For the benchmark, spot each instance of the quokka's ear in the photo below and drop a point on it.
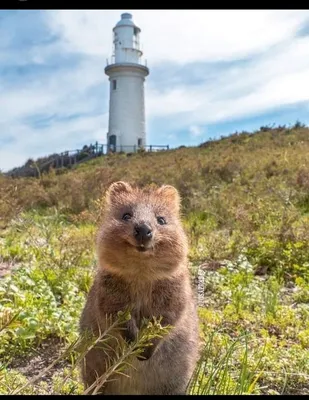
(117, 188)
(171, 195)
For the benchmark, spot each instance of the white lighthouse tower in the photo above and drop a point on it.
(126, 127)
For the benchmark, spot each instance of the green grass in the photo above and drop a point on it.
(245, 206)
(256, 331)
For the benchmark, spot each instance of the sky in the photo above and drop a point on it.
(212, 72)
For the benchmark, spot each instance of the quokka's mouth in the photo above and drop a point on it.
(142, 248)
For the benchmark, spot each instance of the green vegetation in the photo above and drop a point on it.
(246, 212)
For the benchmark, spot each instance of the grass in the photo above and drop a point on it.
(245, 202)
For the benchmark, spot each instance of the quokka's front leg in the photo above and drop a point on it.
(130, 330)
(169, 319)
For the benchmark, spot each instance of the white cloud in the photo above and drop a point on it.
(275, 79)
(195, 131)
(60, 92)
(58, 137)
(58, 96)
(180, 35)
(171, 101)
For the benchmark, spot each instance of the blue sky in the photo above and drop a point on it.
(212, 72)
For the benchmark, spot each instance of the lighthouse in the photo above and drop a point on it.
(126, 125)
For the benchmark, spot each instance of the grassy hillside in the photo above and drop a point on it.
(245, 209)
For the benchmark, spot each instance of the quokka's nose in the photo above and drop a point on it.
(142, 233)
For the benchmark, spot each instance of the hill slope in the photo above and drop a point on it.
(240, 193)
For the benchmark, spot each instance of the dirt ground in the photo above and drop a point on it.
(5, 268)
(31, 365)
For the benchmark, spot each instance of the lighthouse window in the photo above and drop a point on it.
(114, 84)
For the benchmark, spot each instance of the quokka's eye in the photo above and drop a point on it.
(126, 216)
(161, 221)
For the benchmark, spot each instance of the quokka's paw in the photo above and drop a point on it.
(131, 331)
(147, 353)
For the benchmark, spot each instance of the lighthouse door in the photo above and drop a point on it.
(112, 142)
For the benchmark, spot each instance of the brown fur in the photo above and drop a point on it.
(154, 283)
